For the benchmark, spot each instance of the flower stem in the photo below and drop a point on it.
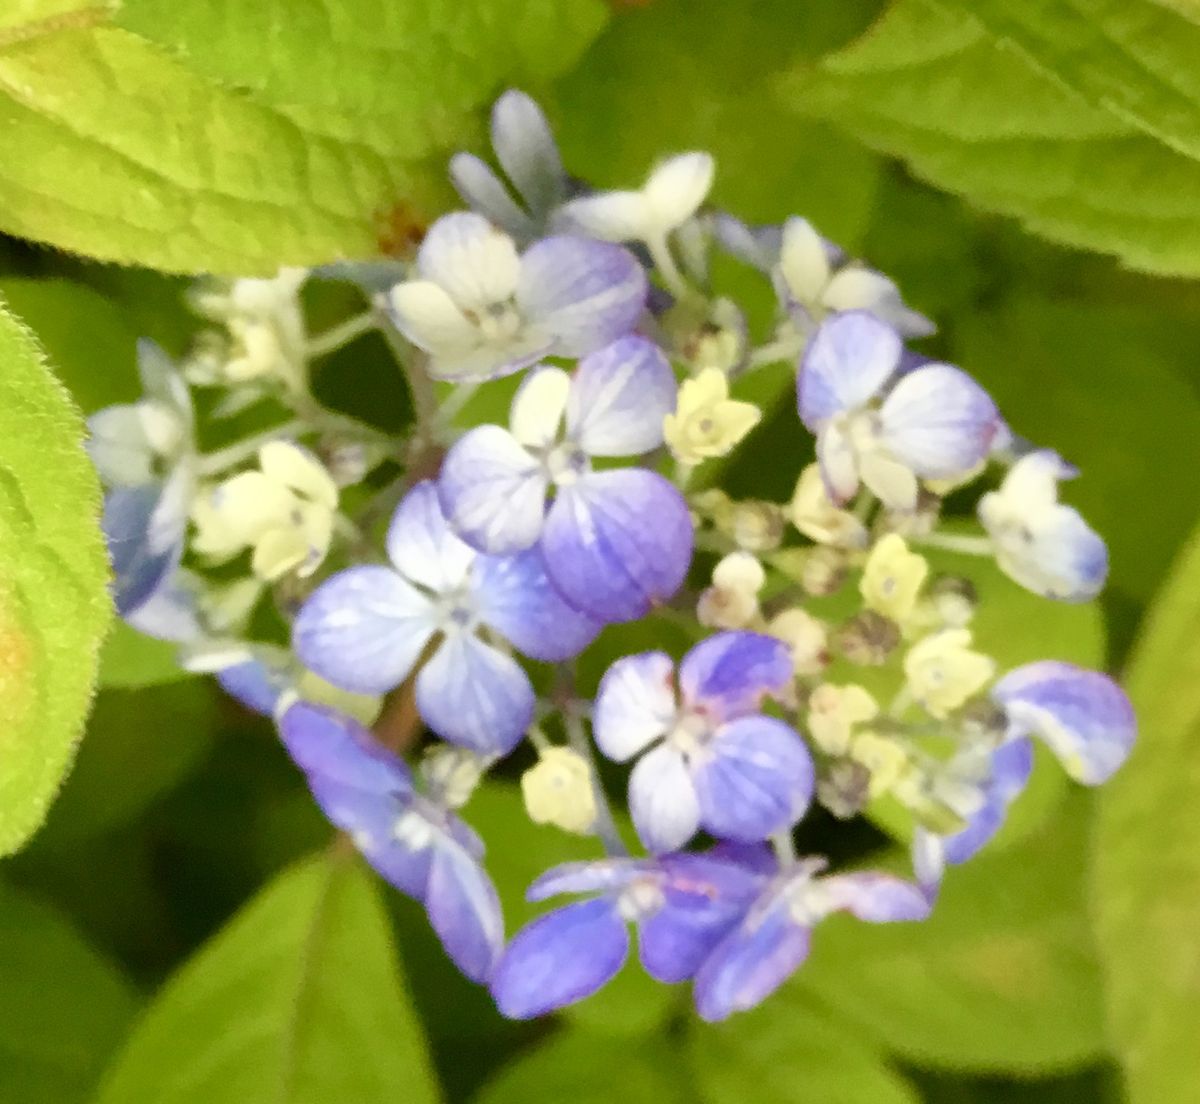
(784, 848)
(606, 826)
(952, 542)
(337, 336)
(215, 462)
(660, 254)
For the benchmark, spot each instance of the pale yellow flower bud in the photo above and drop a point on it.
(833, 711)
(806, 636)
(943, 672)
(558, 790)
(892, 578)
(732, 601)
(706, 421)
(814, 513)
(885, 759)
(756, 526)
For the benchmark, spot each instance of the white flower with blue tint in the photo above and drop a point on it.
(366, 628)
(614, 541)
(411, 839)
(144, 452)
(772, 939)
(1043, 545)
(525, 148)
(672, 194)
(812, 276)
(712, 759)
(883, 427)
(481, 309)
(681, 905)
(1084, 717)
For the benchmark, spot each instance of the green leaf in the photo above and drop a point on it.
(1073, 116)
(139, 745)
(583, 1068)
(791, 1052)
(331, 147)
(63, 1008)
(54, 606)
(298, 1001)
(1001, 978)
(1147, 855)
(716, 58)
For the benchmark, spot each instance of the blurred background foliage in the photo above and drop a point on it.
(184, 928)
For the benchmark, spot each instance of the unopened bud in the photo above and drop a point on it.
(756, 526)
(844, 788)
(807, 638)
(824, 571)
(558, 790)
(868, 639)
(452, 773)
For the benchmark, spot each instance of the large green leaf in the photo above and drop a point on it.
(1075, 116)
(298, 1001)
(583, 1068)
(63, 1008)
(1147, 856)
(54, 607)
(209, 151)
(1002, 977)
(791, 1052)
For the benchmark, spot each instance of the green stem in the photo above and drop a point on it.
(219, 461)
(340, 335)
(606, 825)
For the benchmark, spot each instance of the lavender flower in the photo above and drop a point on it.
(366, 628)
(682, 905)
(413, 841)
(613, 541)
(483, 310)
(717, 763)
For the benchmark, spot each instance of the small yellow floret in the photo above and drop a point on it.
(892, 578)
(943, 672)
(706, 421)
(558, 790)
(833, 711)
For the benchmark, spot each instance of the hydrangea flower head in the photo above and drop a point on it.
(713, 760)
(481, 309)
(882, 430)
(366, 628)
(613, 541)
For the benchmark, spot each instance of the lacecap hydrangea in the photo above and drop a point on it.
(454, 575)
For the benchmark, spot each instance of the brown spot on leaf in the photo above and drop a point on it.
(399, 230)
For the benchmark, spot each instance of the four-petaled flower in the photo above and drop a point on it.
(412, 840)
(367, 627)
(719, 763)
(884, 427)
(681, 904)
(1042, 544)
(773, 937)
(613, 541)
(482, 310)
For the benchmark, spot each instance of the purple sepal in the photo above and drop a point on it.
(1012, 764)
(845, 364)
(618, 542)
(1084, 717)
(560, 958)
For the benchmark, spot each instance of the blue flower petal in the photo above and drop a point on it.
(560, 958)
(1012, 764)
(327, 744)
(514, 597)
(845, 364)
(757, 779)
(422, 545)
(582, 293)
(257, 682)
(1084, 717)
(619, 397)
(870, 896)
(586, 877)
(730, 673)
(938, 422)
(750, 963)
(464, 910)
(363, 629)
(617, 542)
(144, 527)
(473, 695)
(493, 491)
